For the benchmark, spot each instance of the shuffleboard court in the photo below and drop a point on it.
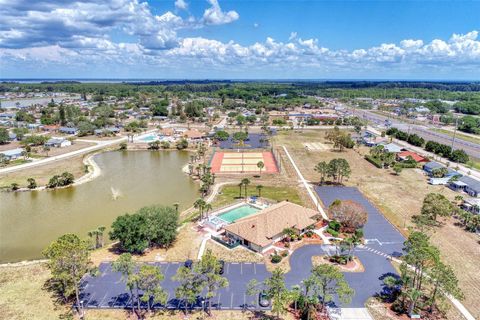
(240, 155)
(238, 162)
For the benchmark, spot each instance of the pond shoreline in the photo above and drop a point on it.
(92, 174)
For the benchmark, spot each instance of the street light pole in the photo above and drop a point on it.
(454, 131)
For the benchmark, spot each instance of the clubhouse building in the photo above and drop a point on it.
(263, 229)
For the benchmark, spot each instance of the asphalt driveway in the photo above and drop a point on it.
(379, 233)
(107, 290)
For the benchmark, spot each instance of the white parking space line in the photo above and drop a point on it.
(231, 301)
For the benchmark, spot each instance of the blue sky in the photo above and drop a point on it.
(245, 39)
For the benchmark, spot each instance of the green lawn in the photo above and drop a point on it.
(458, 135)
(231, 193)
(474, 163)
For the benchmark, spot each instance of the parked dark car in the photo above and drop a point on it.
(263, 300)
(222, 266)
(188, 264)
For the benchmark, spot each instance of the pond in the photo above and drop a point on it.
(29, 221)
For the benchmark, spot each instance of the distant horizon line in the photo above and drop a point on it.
(80, 79)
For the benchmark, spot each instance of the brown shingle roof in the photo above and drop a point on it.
(261, 227)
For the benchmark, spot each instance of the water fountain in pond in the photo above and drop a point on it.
(115, 193)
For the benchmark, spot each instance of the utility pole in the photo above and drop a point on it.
(454, 131)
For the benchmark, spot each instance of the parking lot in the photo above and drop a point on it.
(378, 231)
(107, 290)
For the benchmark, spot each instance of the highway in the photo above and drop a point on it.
(472, 149)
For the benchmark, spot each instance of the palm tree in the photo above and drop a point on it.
(259, 189)
(100, 230)
(260, 166)
(176, 205)
(46, 149)
(240, 185)
(245, 182)
(207, 208)
(200, 205)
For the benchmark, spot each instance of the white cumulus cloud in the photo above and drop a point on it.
(215, 16)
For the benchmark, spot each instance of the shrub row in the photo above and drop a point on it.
(374, 161)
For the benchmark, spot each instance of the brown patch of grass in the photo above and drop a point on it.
(22, 294)
(185, 247)
(238, 254)
(44, 172)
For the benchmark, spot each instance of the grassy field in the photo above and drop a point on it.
(398, 198)
(44, 172)
(231, 193)
(458, 135)
(22, 295)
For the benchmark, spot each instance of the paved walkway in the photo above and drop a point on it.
(100, 144)
(306, 185)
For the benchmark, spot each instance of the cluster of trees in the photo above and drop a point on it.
(308, 299)
(135, 126)
(435, 206)
(468, 106)
(62, 180)
(424, 281)
(221, 135)
(149, 226)
(340, 139)
(443, 150)
(413, 139)
(182, 144)
(383, 158)
(336, 169)
(156, 145)
(4, 137)
(470, 124)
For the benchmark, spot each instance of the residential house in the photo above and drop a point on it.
(261, 230)
(391, 147)
(194, 135)
(58, 142)
(472, 205)
(51, 128)
(12, 154)
(371, 139)
(431, 166)
(404, 155)
(68, 130)
(113, 130)
(466, 184)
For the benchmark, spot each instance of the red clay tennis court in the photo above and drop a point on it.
(242, 162)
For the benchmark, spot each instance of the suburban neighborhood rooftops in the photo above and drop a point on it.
(471, 183)
(432, 165)
(12, 152)
(391, 147)
(261, 227)
(416, 157)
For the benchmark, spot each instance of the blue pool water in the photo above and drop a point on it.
(237, 213)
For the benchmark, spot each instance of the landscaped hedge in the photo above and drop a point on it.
(374, 161)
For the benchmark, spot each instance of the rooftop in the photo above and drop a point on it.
(261, 227)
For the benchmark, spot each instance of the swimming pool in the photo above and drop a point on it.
(238, 212)
(149, 138)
